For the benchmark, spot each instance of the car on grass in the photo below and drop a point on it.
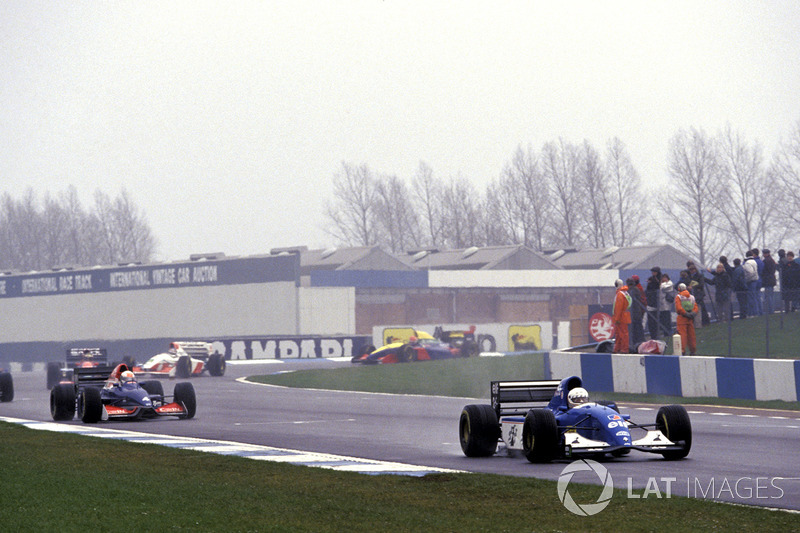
(420, 346)
(76, 358)
(568, 426)
(182, 359)
(113, 393)
(6, 386)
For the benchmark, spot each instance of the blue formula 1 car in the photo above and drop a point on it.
(106, 393)
(569, 426)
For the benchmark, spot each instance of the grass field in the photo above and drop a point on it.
(748, 338)
(467, 378)
(62, 482)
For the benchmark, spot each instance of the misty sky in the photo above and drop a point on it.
(226, 121)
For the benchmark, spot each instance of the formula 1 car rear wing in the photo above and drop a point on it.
(92, 376)
(79, 355)
(196, 349)
(517, 397)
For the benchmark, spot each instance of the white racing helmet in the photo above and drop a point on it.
(577, 396)
(127, 377)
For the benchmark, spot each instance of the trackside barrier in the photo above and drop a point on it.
(687, 376)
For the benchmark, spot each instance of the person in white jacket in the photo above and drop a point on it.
(666, 304)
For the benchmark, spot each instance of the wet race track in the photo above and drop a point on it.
(742, 455)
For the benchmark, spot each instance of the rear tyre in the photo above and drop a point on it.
(478, 430)
(6, 387)
(470, 349)
(62, 401)
(540, 436)
(90, 405)
(673, 421)
(216, 364)
(407, 354)
(53, 374)
(183, 368)
(153, 388)
(184, 395)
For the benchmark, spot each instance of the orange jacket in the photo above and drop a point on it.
(622, 302)
(682, 297)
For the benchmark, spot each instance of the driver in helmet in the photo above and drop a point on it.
(127, 377)
(577, 397)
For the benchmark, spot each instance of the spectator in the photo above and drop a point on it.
(722, 292)
(622, 318)
(792, 281)
(638, 308)
(666, 304)
(728, 267)
(739, 287)
(782, 261)
(653, 294)
(698, 290)
(768, 280)
(750, 268)
(760, 264)
(686, 308)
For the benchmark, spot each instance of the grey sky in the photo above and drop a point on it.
(226, 120)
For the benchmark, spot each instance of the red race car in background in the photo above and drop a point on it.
(420, 346)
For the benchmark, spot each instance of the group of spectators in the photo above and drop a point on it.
(758, 274)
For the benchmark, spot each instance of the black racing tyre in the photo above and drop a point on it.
(62, 401)
(365, 350)
(53, 374)
(183, 368)
(184, 395)
(478, 430)
(6, 387)
(90, 405)
(216, 364)
(153, 388)
(407, 354)
(540, 436)
(470, 349)
(673, 421)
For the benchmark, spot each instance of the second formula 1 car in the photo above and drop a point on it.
(569, 426)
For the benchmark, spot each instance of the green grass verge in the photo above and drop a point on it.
(62, 482)
(467, 378)
(450, 377)
(749, 337)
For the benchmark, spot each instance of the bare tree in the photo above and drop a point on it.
(598, 226)
(784, 176)
(690, 210)
(626, 209)
(136, 242)
(399, 221)
(523, 192)
(560, 163)
(353, 213)
(742, 202)
(460, 209)
(428, 192)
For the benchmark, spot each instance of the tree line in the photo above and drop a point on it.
(58, 231)
(721, 195)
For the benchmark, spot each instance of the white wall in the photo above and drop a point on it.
(327, 310)
(224, 310)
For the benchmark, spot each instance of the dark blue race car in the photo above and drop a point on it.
(105, 393)
(568, 426)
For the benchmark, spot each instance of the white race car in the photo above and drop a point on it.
(184, 359)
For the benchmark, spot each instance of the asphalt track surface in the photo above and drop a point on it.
(748, 456)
